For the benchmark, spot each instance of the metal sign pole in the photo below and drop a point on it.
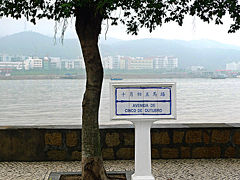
(142, 151)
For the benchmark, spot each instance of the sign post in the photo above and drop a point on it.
(142, 151)
(142, 104)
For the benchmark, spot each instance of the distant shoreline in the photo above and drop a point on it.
(122, 76)
(30, 77)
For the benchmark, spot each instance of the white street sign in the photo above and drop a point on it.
(143, 101)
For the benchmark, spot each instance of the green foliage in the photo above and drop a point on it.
(136, 13)
(209, 10)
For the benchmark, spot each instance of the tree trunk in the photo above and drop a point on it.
(88, 27)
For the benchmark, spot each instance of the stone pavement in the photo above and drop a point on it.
(185, 169)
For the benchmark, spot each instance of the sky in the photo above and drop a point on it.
(192, 29)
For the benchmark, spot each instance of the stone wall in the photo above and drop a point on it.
(118, 143)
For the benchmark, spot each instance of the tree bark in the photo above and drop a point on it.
(88, 27)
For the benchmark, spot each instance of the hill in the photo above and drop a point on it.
(211, 54)
(35, 44)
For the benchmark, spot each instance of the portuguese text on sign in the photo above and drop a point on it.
(143, 101)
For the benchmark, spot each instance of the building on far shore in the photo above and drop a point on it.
(107, 62)
(135, 63)
(33, 63)
(72, 64)
(46, 63)
(11, 65)
(140, 63)
(234, 66)
(165, 62)
(197, 68)
(55, 63)
(11, 58)
(7, 67)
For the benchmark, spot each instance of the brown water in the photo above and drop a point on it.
(58, 102)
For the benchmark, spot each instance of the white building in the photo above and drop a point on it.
(11, 65)
(140, 63)
(79, 63)
(15, 58)
(55, 63)
(133, 63)
(197, 68)
(107, 62)
(5, 58)
(172, 62)
(165, 62)
(234, 66)
(72, 64)
(33, 63)
(123, 64)
(116, 62)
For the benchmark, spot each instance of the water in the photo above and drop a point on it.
(58, 102)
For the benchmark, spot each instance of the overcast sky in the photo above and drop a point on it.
(192, 29)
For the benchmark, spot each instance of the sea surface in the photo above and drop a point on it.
(58, 102)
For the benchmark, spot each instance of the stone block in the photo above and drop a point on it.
(108, 154)
(129, 139)
(230, 152)
(193, 136)
(160, 138)
(155, 153)
(220, 136)
(206, 152)
(21, 145)
(185, 152)
(206, 138)
(169, 153)
(5, 146)
(56, 155)
(236, 138)
(54, 139)
(125, 153)
(76, 155)
(178, 137)
(71, 139)
(112, 139)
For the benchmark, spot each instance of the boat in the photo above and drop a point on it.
(219, 76)
(68, 76)
(116, 79)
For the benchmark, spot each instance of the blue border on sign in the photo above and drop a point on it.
(121, 101)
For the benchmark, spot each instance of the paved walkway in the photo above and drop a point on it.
(186, 169)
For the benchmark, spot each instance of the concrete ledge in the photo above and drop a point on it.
(125, 124)
(48, 143)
